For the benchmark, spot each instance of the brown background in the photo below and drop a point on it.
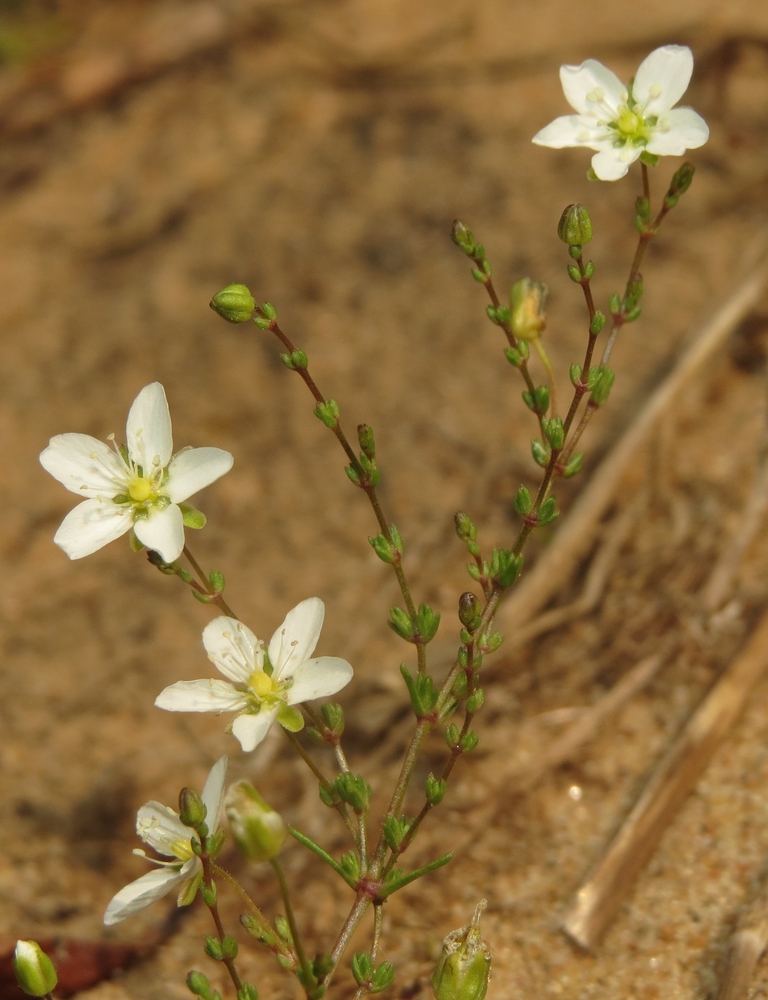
(153, 152)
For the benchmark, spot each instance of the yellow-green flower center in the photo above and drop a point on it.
(182, 849)
(628, 121)
(631, 127)
(262, 685)
(140, 490)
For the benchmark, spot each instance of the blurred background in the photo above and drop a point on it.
(318, 151)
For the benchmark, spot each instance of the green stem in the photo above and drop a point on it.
(541, 351)
(306, 968)
(252, 907)
(356, 914)
(406, 771)
(217, 599)
(340, 807)
(368, 489)
(378, 915)
(208, 865)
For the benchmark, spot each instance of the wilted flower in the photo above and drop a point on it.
(621, 122)
(160, 827)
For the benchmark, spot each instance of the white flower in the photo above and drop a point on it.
(259, 687)
(161, 828)
(139, 486)
(621, 122)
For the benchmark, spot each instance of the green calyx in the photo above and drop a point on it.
(234, 303)
(575, 226)
(464, 967)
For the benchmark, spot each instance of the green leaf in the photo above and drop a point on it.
(435, 790)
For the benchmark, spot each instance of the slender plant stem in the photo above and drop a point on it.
(253, 908)
(306, 968)
(541, 351)
(363, 991)
(217, 599)
(340, 807)
(366, 486)
(356, 914)
(378, 914)
(208, 867)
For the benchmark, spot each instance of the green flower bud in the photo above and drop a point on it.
(574, 465)
(541, 453)
(355, 791)
(527, 300)
(464, 967)
(328, 412)
(435, 789)
(366, 439)
(603, 385)
(34, 971)
(213, 948)
(362, 967)
(575, 226)
(401, 624)
(234, 303)
(634, 292)
(350, 863)
(192, 812)
(470, 612)
(463, 238)
(598, 322)
(333, 716)
(427, 622)
(465, 527)
(258, 830)
(680, 183)
(523, 503)
(199, 985)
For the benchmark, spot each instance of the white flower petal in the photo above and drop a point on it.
(251, 729)
(207, 695)
(163, 532)
(145, 890)
(679, 129)
(91, 526)
(233, 648)
(662, 78)
(195, 468)
(319, 678)
(296, 638)
(160, 827)
(572, 130)
(213, 792)
(591, 88)
(84, 465)
(149, 428)
(611, 164)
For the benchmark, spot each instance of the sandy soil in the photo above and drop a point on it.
(319, 152)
